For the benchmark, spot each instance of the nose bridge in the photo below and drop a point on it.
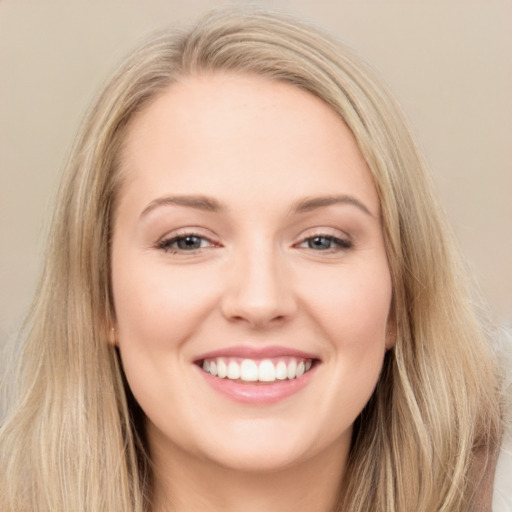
(259, 290)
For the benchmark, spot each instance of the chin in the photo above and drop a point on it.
(258, 460)
(256, 447)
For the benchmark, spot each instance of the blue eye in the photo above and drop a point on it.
(326, 243)
(186, 243)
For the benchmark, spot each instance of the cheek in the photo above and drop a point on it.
(353, 306)
(352, 310)
(158, 304)
(158, 310)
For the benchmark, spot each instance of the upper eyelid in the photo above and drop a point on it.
(184, 232)
(325, 235)
(166, 243)
(333, 233)
(343, 242)
(329, 232)
(173, 238)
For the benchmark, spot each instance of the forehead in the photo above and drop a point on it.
(212, 134)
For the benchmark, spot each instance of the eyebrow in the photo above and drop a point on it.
(210, 204)
(204, 203)
(312, 203)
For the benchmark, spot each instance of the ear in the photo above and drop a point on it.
(109, 326)
(112, 337)
(391, 333)
(391, 328)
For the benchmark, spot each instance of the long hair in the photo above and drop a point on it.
(74, 439)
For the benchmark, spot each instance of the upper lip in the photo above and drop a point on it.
(251, 352)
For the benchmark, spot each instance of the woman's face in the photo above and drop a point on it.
(248, 241)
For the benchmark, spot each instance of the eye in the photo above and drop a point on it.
(325, 243)
(184, 243)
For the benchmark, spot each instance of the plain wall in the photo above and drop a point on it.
(449, 64)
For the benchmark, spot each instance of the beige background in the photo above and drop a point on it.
(449, 63)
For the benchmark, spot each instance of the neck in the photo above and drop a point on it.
(185, 484)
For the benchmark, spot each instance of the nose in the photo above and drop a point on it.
(259, 291)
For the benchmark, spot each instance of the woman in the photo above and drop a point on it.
(250, 299)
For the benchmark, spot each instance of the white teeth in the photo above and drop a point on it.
(292, 369)
(222, 369)
(266, 371)
(233, 370)
(249, 370)
(281, 371)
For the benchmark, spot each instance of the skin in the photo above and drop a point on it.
(258, 147)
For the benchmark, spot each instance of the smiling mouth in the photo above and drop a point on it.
(257, 370)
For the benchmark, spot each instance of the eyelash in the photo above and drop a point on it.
(340, 244)
(167, 243)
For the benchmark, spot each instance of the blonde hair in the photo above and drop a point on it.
(74, 440)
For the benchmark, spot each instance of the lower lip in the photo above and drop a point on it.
(257, 393)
